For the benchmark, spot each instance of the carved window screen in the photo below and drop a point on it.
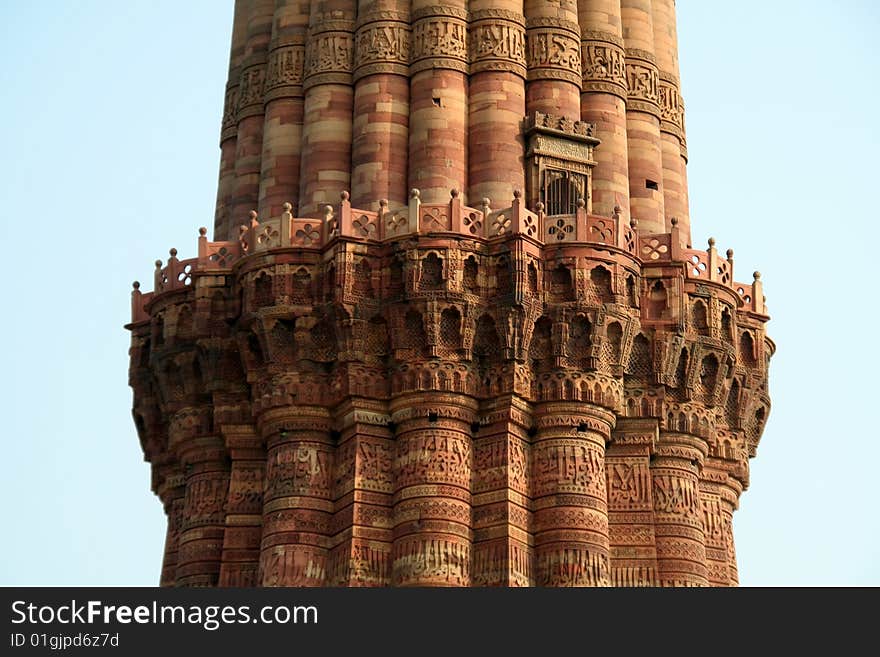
(560, 191)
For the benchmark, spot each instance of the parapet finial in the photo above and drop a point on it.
(136, 285)
(158, 264)
(172, 252)
(383, 203)
(414, 193)
(581, 203)
(288, 207)
(711, 242)
(345, 196)
(729, 254)
(539, 207)
(203, 231)
(486, 202)
(674, 221)
(757, 275)
(453, 192)
(633, 222)
(517, 193)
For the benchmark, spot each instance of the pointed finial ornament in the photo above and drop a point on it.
(344, 196)
(711, 242)
(453, 192)
(517, 193)
(136, 285)
(203, 231)
(674, 221)
(757, 275)
(729, 254)
(172, 252)
(414, 193)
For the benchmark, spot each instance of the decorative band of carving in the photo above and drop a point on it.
(439, 42)
(644, 55)
(229, 125)
(671, 105)
(498, 43)
(553, 51)
(328, 58)
(382, 47)
(331, 25)
(377, 16)
(604, 63)
(440, 11)
(251, 87)
(600, 35)
(643, 82)
(284, 73)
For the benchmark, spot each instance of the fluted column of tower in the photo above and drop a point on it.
(502, 554)
(282, 128)
(432, 489)
(678, 522)
(554, 58)
(297, 497)
(730, 494)
(603, 101)
(570, 495)
(249, 131)
(675, 201)
(329, 97)
(244, 507)
(381, 104)
(207, 483)
(438, 98)
(496, 99)
(229, 129)
(643, 117)
(171, 491)
(362, 520)
(630, 503)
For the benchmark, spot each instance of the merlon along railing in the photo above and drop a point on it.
(453, 218)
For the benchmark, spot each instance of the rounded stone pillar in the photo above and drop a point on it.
(569, 494)
(249, 133)
(678, 522)
(432, 497)
(554, 58)
(171, 491)
(326, 136)
(200, 544)
(297, 497)
(496, 100)
(229, 126)
(603, 101)
(438, 153)
(674, 160)
(644, 150)
(282, 127)
(381, 104)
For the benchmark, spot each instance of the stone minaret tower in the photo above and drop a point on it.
(450, 329)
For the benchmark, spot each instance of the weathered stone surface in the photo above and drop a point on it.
(400, 387)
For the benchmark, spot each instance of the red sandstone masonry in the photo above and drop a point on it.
(282, 129)
(603, 101)
(643, 116)
(393, 388)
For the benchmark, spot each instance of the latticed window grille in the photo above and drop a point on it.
(560, 191)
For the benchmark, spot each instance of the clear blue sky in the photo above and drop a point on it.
(110, 121)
